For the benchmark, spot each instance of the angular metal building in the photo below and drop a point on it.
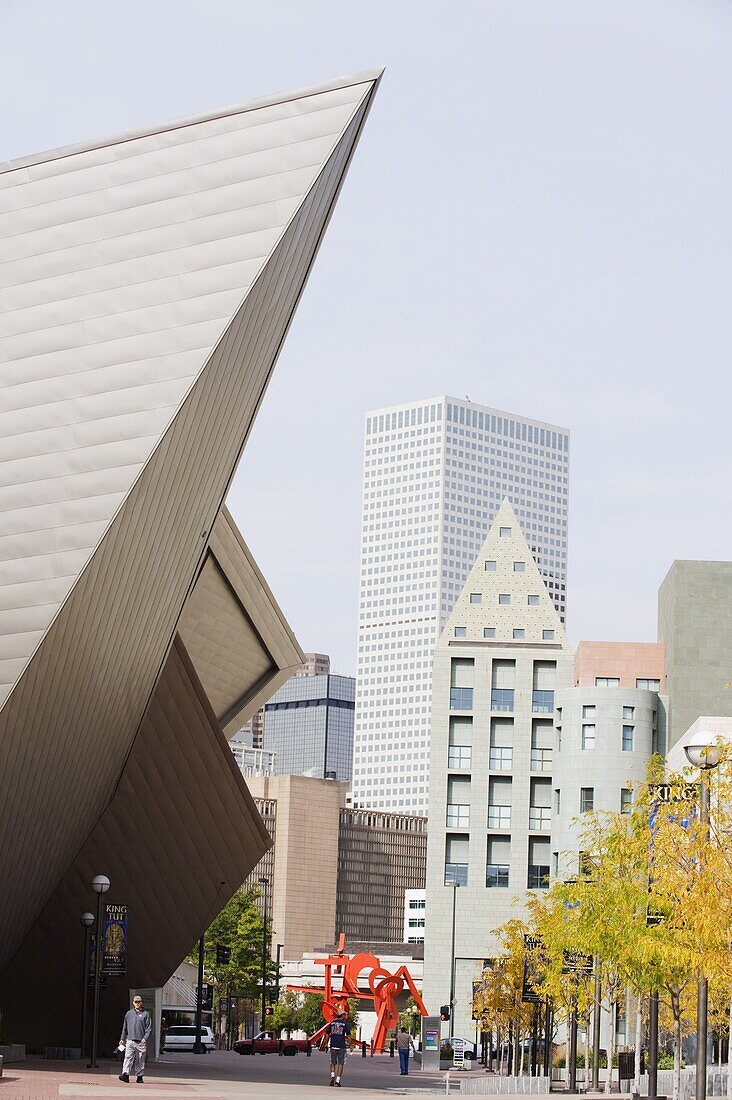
(148, 283)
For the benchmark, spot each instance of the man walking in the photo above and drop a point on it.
(136, 1030)
(404, 1043)
(339, 1033)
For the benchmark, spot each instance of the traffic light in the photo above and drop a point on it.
(444, 1012)
(223, 955)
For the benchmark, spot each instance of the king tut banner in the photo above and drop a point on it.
(115, 939)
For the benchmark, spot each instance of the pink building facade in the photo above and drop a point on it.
(620, 664)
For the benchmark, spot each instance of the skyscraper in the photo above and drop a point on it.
(435, 473)
(308, 724)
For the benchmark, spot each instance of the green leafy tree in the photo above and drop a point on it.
(310, 1017)
(240, 927)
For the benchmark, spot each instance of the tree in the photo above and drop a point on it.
(240, 927)
(310, 1016)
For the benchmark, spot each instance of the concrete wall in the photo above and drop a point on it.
(695, 626)
(627, 660)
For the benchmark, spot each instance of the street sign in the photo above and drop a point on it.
(458, 1053)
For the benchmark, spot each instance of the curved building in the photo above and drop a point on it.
(148, 284)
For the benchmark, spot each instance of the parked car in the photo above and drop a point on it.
(267, 1042)
(183, 1036)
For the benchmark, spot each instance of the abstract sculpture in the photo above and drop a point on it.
(383, 989)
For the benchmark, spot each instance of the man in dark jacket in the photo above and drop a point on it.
(136, 1030)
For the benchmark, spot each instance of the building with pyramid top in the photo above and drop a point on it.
(148, 284)
(498, 663)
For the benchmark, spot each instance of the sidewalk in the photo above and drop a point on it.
(212, 1078)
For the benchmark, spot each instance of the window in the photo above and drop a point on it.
(629, 714)
(648, 685)
(505, 532)
(542, 736)
(544, 676)
(607, 681)
(588, 736)
(547, 635)
(489, 566)
(499, 803)
(519, 567)
(458, 802)
(501, 744)
(503, 678)
(499, 859)
(538, 877)
(461, 683)
(588, 712)
(461, 632)
(456, 874)
(489, 632)
(540, 805)
(416, 922)
(534, 601)
(628, 736)
(587, 799)
(458, 816)
(626, 800)
(456, 860)
(504, 598)
(518, 633)
(459, 757)
(417, 903)
(475, 597)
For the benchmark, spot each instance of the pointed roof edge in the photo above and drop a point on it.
(369, 75)
(505, 506)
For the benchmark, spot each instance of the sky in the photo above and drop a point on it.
(537, 216)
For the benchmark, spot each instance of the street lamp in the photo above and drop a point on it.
(264, 882)
(415, 1016)
(100, 884)
(704, 755)
(451, 1030)
(87, 919)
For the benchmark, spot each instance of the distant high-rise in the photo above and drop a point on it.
(435, 473)
(308, 724)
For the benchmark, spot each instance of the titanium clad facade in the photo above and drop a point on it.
(148, 283)
(435, 474)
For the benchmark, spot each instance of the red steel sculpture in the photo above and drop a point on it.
(383, 989)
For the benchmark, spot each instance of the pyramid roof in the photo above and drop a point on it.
(505, 593)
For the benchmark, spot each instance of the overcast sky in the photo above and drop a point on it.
(538, 216)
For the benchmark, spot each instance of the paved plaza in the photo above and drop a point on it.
(222, 1075)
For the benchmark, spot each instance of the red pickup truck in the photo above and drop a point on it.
(268, 1043)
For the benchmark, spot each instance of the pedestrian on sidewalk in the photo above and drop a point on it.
(136, 1029)
(339, 1033)
(404, 1043)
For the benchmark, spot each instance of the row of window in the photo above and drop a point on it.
(641, 683)
(499, 817)
(497, 875)
(627, 741)
(459, 758)
(587, 800)
(519, 633)
(502, 700)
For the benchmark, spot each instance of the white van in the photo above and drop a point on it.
(183, 1036)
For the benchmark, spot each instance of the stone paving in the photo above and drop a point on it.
(218, 1076)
